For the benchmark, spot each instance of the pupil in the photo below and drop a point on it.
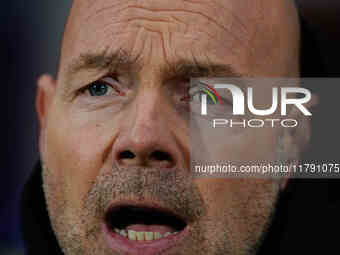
(98, 89)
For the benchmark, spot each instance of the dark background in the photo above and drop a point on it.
(30, 37)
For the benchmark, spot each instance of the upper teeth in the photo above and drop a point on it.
(141, 235)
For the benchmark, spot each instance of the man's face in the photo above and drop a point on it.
(115, 136)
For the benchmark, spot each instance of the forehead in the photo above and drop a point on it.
(218, 31)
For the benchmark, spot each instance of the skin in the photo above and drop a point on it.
(82, 137)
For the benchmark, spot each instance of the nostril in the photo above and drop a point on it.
(160, 156)
(126, 155)
(156, 158)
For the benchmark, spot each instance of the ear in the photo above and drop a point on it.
(44, 97)
(296, 139)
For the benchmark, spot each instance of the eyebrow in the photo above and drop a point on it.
(119, 61)
(102, 61)
(188, 68)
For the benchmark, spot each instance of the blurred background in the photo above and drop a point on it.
(31, 34)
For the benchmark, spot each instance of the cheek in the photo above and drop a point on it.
(75, 155)
(239, 208)
(244, 148)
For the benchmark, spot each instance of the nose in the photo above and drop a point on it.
(147, 138)
(138, 155)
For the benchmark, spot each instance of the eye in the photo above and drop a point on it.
(103, 87)
(98, 88)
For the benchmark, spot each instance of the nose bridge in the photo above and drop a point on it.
(147, 119)
(147, 139)
(148, 104)
(149, 99)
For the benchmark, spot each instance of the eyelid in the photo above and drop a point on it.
(108, 80)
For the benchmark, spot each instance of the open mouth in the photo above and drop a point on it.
(143, 224)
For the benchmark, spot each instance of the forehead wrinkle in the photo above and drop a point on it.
(237, 23)
(163, 13)
(164, 10)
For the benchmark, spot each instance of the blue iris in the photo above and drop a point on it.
(98, 88)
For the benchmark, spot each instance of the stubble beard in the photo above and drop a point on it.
(78, 230)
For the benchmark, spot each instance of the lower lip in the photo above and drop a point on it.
(120, 243)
